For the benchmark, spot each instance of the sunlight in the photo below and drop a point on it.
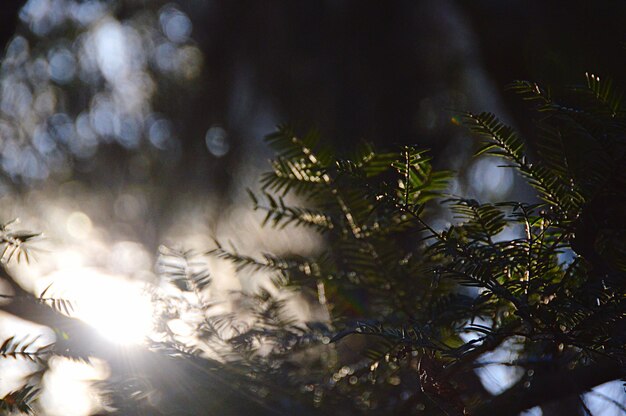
(67, 387)
(119, 309)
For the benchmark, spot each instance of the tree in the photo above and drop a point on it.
(408, 308)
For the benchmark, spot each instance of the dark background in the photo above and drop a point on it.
(385, 72)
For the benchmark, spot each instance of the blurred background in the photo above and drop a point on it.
(127, 124)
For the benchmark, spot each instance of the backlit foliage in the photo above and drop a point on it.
(409, 309)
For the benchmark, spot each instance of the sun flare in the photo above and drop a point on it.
(119, 309)
(123, 314)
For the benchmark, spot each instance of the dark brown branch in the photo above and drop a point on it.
(548, 387)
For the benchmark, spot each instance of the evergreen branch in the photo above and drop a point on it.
(19, 400)
(22, 348)
(179, 268)
(503, 141)
(483, 222)
(281, 215)
(604, 94)
(268, 263)
(14, 244)
(531, 91)
(58, 304)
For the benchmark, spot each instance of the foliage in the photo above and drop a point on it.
(548, 276)
(412, 308)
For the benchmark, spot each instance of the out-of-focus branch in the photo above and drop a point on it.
(188, 385)
(489, 343)
(82, 340)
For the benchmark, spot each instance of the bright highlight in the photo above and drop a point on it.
(119, 309)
